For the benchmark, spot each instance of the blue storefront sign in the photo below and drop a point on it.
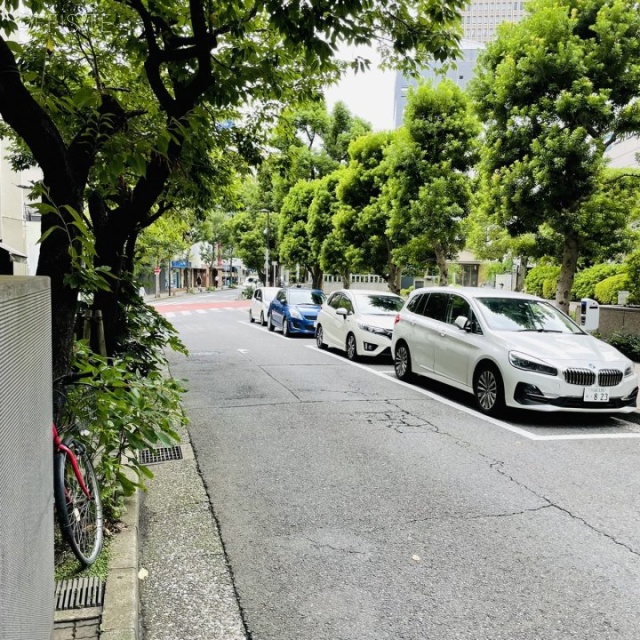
(179, 264)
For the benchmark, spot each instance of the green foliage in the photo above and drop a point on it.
(549, 288)
(606, 291)
(428, 188)
(67, 566)
(586, 280)
(633, 271)
(534, 282)
(247, 292)
(405, 292)
(127, 403)
(555, 90)
(625, 342)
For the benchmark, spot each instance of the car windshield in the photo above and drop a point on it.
(270, 293)
(372, 304)
(305, 296)
(516, 314)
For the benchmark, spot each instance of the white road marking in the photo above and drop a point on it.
(200, 311)
(477, 414)
(243, 350)
(185, 313)
(171, 314)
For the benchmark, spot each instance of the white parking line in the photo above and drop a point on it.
(256, 325)
(477, 414)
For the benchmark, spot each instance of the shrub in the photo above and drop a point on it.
(606, 292)
(405, 292)
(247, 292)
(534, 282)
(549, 287)
(633, 271)
(586, 280)
(626, 343)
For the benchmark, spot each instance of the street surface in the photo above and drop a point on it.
(353, 506)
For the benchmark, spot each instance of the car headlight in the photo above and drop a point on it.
(379, 331)
(629, 371)
(294, 313)
(528, 363)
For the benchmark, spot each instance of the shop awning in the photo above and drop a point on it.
(14, 254)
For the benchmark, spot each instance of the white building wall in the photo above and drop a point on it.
(15, 230)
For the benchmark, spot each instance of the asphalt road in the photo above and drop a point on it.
(353, 506)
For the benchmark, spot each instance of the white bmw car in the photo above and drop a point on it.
(358, 321)
(510, 349)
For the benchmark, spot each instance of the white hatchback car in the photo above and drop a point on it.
(358, 321)
(260, 300)
(510, 349)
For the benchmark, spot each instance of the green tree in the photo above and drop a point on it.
(555, 91)
(429, 187)
(363, 220)
(197, 66)
(296, 245)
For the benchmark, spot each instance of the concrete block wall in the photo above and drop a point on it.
(26, 460)
(614, 318)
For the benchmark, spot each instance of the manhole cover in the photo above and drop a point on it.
(78, 593)
(161, 454)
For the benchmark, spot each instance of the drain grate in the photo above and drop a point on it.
(161, 454)
(78, 593)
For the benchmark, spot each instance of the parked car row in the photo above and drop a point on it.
(508, 349)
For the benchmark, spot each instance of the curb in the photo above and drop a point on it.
(120, 612)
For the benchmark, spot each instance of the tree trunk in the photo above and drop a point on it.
(346, 280)
(55, 263)
(441, 261)
(393, 279)
(567, 272)
(316, 277)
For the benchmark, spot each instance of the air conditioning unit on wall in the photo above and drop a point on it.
(26, 460)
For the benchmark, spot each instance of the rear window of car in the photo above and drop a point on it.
(417, 302)
(305, 296)
(436, 307)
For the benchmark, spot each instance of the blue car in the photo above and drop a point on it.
(294, 310)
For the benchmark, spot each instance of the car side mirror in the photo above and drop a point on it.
(342, 312)
(462, 322)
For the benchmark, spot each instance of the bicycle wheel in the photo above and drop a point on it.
(80, 518)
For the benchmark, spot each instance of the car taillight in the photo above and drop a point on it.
(396, 319)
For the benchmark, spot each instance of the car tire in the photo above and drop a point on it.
(320, 338)
(488, 389)
(251, 318)
(270, 324)
(262, 322)
(352, 348)
(402, 362)
(285, 328)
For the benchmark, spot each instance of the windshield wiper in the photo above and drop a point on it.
(543, 330)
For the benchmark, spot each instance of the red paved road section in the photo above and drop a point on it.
(172, 307)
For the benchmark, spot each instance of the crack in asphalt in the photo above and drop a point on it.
(321, 545)
(498, 466)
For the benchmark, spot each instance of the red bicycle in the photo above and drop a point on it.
(77, 496)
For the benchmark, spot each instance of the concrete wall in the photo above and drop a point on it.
(26, 460)
(613, 318)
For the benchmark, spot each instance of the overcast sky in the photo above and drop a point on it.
(368, 95)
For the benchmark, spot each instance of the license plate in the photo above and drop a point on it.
(596, 394)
